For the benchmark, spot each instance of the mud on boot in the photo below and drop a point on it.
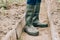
(31, 30)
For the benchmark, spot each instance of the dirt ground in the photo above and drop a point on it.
(11, 16)
(45, 33)
(56, 20)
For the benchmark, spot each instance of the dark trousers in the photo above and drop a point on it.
(33, 2)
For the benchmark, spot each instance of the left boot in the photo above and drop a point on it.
(29, 28)
(36, 22)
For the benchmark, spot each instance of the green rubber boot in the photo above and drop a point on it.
(36, 22)
(29, 28)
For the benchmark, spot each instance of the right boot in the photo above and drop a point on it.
(29, 28)
(36, 22)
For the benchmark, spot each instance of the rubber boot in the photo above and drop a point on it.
(36, 22)
(29, 28)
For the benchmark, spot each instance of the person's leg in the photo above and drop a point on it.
(29, 28)
(36, 22)
(31, 2)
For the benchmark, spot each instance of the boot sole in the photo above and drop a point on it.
(42, 26)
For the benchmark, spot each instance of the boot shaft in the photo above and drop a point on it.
(29, 14)
(36, 13)
(32, 13)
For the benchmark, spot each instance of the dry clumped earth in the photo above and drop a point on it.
(56, 21)
(10, 17)
(14, 12)
(55, 17)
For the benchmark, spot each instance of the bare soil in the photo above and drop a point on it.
(14, 12)
(10, 17)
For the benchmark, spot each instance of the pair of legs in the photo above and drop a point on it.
(32, 17)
